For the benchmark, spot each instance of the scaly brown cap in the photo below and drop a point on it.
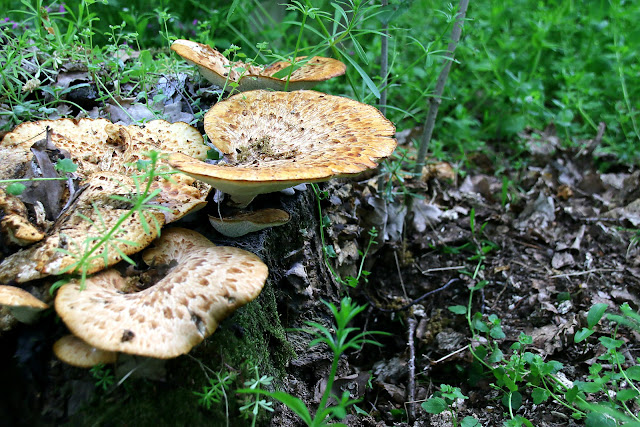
(73, 351)
(275, 140)
(97, 145)
(205, 283)
(23, 306)
(217, 69)
(67, 241)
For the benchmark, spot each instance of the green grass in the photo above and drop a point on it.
(521, 64)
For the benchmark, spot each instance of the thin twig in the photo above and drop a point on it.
(460, 350)
(582, 273)
(404, 290)
(384, 63)
(411, 386)
(436, 99)
(415, 301)
(384, 70)
(431, 270)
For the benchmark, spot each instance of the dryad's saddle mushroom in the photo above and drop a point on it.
(106, 155)
(275, 140)
(216, 68)
(91, 215)
(23, 306)
(205, 283)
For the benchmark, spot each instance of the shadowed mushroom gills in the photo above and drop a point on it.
(275, 140)
(204, 284)
(220, 71)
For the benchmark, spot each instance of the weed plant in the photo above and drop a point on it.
(611, 383)
(339, 338)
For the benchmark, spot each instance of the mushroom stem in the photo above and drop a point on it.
(242, 200)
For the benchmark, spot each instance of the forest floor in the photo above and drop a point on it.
(545, 244)
(540, 247)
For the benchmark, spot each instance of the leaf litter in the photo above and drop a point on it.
(563, 241)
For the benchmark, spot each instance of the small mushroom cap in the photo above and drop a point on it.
(217, 69)
(14, 222)
(23, 306)
(249, 222)
(275, 140)
(312, 72)
(17, 297)
(169, 318)
(213, 65)
(18, 230)
(73, 351)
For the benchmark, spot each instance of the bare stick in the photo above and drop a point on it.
(582, 273)
(436, 100)
(384, 62)
(411, 386)
(442, 359)
(384, 70)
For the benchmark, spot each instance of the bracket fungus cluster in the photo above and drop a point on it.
(104, 153)
(217, 69)
(204, 283)
(270, 141)
(275, 140)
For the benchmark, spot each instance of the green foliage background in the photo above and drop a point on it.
(521, 63)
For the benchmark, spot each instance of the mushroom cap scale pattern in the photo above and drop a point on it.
(72, 232)
(274, 140)
(169, 318)
(219, 70)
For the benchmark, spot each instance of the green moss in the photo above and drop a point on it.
(149, 404)
(254, 336)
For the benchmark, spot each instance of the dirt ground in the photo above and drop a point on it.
(548, 240)
(557, 240)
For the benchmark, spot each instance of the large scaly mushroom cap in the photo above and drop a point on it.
(216, 68)
(103, 151)
(97, 145)
(204, 285)
(275, 140)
